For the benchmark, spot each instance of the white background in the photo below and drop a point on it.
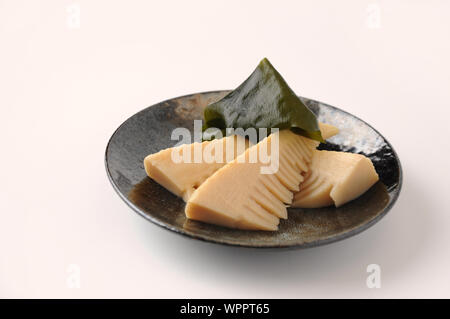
(64, 90)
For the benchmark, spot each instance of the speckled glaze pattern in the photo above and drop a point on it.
(149, 131)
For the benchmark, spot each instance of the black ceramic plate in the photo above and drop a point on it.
(149, 131)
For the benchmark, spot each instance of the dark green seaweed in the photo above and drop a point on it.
(264, 100)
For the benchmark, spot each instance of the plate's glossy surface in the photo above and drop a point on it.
(149, 131)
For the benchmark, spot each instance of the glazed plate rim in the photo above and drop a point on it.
(316, 243)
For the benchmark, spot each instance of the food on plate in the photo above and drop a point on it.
(335, 178)
(239, 196)
(237, 186)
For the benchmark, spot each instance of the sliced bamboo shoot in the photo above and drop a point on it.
(239, 196)
(335, 178)
(182, 177)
